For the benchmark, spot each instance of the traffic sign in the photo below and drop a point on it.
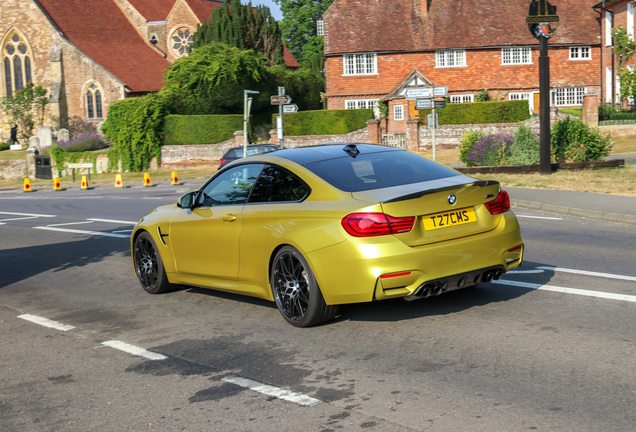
(288, 109)
(280, 99)
(440, 91)
(439, 104)
(423, 103)
(419, 92)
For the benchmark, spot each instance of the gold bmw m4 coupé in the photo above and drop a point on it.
(312, 228)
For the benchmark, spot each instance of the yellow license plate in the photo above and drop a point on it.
(449, 218)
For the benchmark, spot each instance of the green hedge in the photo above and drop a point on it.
(201, 129)
(324, 122)
(481, 112)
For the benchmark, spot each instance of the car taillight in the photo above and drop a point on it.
(376, 224)
(499, 205)
(222, 162)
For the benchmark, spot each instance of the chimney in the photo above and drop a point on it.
(421, 7)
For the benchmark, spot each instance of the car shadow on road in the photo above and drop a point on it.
(485, 294)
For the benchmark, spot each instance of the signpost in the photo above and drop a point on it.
(283, 101)
(247, 106)
(424, 100)
(540, 15)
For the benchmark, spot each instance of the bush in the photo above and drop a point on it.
(88, 142)
(573, 140)
(467, 142)
(491, 150)
(325, 122)
(201, 129)
(4, 146)
(525, 150)
(61, 158)
(135, 127)
(481, 112)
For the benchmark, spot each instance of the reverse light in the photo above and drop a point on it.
(500, 204)
(376, 224)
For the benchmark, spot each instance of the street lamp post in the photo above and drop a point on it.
(247, 105)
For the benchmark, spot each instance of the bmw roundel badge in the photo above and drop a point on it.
(452, 199)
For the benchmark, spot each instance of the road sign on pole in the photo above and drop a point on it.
(440, 91)
(289, 109)
(418, 92)
(282, 99)
(423, 103)
(439, 104)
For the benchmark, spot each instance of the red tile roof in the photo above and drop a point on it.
(203, 9)
(359, 26)
(102, 32)
(155, 10)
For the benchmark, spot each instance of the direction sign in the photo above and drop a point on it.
(439, 104)
(288, 109)
(440, 91)
(423, 103)
(418, 92)
(280, 99)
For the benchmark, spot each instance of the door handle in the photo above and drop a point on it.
(229, 218)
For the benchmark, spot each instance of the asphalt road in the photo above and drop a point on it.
(549, 348)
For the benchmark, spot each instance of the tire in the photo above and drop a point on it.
(148, 265)
(296, 292)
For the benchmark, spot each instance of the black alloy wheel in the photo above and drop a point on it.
(296, 292)
(148, 265)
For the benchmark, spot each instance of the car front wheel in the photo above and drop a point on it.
(296, 291)
(148, 265)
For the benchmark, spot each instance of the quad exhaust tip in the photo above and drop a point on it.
(435, 288)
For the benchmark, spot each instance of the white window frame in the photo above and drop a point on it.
(519, 96)
(630, 99)
(608, 84)
(360, 64)
(568, 96)
(630, 19)
(608, 27)
(516, 55)
(398, 112)
(581, 53)
(450, 58)
(320, 28)
(360, 103)
(462, 98)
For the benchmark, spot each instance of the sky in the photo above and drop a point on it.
(273, 7)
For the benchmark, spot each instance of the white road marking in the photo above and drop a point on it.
(268, 390)
(588, 273)
(134, 350)
(20, 218)
(565, 290)
(70, 223)
(525, 271)
(112, 221)
(97, 233)
(538, 217)
(46, 322)
(123, 231)
(26, 214)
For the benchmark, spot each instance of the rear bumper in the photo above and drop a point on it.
(377, 268)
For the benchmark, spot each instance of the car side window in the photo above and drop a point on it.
(230, 187)
(277, 184)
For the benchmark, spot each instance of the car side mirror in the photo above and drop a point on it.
(187, 200)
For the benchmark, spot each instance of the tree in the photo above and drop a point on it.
(211, 80)
(26, 107)
(243, 27)
(299, 29)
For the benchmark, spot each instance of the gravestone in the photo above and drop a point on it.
(45, 135)
(34, 142)
(62, 135)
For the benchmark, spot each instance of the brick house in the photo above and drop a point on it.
(614, 13)
(90, 53)
(376, 50)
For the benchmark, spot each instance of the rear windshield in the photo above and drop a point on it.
(379, 170)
